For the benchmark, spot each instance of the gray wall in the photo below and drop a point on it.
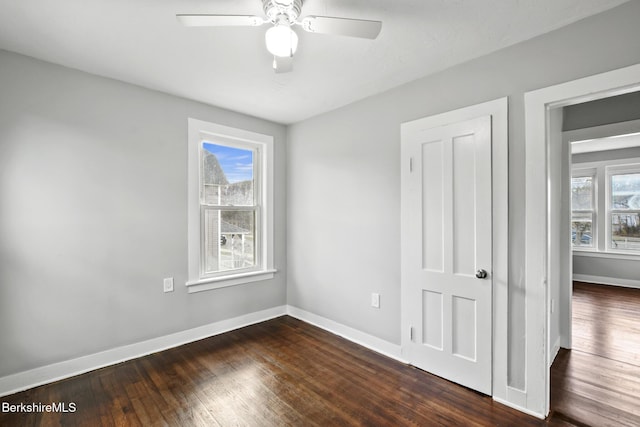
(613, 269)
(93, 215)
(604, 111)
(343, 184)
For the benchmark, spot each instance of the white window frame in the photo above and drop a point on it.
(626, 168)
(602, 204)
(581, 172)
(201, 131)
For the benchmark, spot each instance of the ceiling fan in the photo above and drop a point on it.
(280, 39)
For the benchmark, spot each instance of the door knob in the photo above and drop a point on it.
(481, 274)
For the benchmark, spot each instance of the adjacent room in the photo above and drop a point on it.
(319, 212)
(599, 292)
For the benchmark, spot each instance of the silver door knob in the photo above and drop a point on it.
(481, 274)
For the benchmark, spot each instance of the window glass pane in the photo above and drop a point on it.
(229, 240)
(625, 191)
(581, 230)
(582, 193)
(227, 175)
(625, 231)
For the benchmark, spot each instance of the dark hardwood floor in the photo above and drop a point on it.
(277, 373)
(597, 383)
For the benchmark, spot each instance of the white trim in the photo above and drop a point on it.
(555, 348)
(604, 131)
(46, 374)
(617, 163)
(617, 142)
(537, 106)
(609, 281)
(231, 280)
(358, 337)
(521, 408)
(498, 110)
(609, 254)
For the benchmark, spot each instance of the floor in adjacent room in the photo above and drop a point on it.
(597, 383)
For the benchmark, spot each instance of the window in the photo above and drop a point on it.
(624, 207)
(230, 206)
(605, 206)
(583, 224)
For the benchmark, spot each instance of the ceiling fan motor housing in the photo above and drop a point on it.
(275, 9)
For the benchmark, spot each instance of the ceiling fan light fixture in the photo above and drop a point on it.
(281, 41)
(275, 8)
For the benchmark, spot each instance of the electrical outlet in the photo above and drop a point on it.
(375, 300)
(168, 284)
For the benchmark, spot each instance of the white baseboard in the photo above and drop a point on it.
(516, 398)
(601, 280)
(46, 374)
(369, 341)
(519, 396)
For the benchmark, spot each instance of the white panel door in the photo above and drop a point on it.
(446, 251)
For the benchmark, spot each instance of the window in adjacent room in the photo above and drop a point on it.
(605, 206)
(230, 206)
(583, 212)
(624, 207)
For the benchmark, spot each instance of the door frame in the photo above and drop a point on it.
(538, 107)
(498, 110)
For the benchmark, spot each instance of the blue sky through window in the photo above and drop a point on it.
(237, 163)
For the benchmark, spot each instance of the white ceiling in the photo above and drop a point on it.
(140, 41)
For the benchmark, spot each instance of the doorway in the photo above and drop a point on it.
(594, 383)
(595, 179)
(542, 213)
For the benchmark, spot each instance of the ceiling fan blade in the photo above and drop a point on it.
(342, 26)
(220, 20)
(282, 64)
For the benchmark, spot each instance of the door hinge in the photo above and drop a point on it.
(411, 333)
(410, 164)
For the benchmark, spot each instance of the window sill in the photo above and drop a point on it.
(230, 280)
(610, 254)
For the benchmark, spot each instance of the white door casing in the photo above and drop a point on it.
(446, 240)
(538, 105)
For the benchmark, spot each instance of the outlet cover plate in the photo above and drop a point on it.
(375, 300)
(168, 284)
